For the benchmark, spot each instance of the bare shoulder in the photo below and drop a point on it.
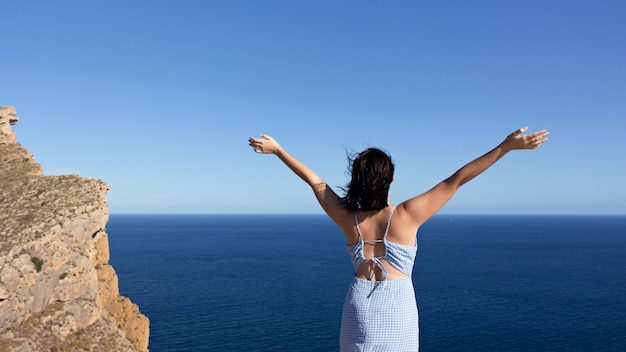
(347, 224)
(403, 227)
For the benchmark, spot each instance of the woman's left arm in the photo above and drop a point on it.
(328, 199)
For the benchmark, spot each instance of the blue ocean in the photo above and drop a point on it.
(277, 282)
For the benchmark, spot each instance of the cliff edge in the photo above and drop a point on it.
(57, 289)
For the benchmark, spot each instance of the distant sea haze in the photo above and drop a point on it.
(277, 282)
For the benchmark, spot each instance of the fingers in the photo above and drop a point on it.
(255, 143)
(539, 135)
(263, 137)
(518, 140)
(258, 144)
(534, 140)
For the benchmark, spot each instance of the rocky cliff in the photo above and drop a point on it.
(57, 289)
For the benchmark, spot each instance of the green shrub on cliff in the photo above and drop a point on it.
(38, 263)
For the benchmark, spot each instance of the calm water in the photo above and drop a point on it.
(277, 282)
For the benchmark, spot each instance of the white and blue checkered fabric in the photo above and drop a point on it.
(380, 317)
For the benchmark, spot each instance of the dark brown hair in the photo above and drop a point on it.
(371, 174)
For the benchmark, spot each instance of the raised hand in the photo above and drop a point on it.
(517, 140)
(264, 145)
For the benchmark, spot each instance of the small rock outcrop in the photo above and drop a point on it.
(57, 289)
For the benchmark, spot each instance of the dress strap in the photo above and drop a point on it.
(388, 222)
(375, 260)
(358, 229)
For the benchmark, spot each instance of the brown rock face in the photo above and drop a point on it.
(57, 289)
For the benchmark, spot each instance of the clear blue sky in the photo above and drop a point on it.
(158, 98)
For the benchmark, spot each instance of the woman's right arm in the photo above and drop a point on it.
(424, 206)
(327, 198)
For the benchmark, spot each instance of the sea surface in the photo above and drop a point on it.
(277, 282)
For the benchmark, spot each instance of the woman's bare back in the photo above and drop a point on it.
(373, 225)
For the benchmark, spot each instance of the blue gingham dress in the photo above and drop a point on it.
(381, 316)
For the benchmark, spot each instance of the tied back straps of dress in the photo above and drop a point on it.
(376, 261)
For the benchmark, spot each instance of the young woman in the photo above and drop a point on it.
(380, 310)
